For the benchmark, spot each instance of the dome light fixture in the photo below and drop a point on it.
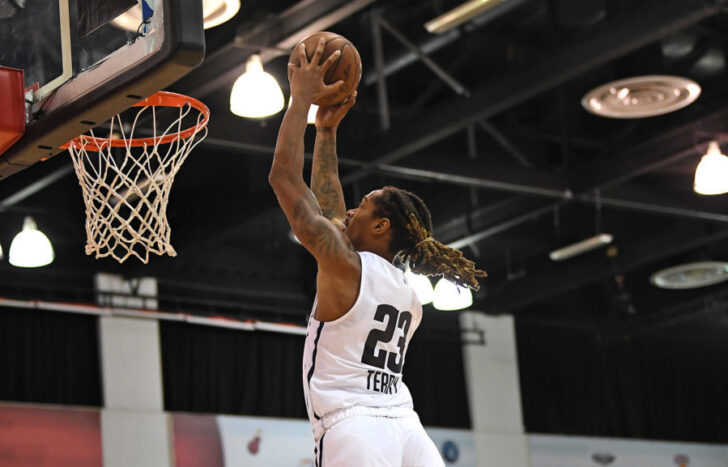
(641, 96)
(711, 175)
(214, 13)
(449, 296)
(691, 275)
(421, 285)
(256, 94)
(30, 248)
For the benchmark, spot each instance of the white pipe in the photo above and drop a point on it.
(230, 323)
(581, 247)
(459, 15)
(221, 323)
(282, 328)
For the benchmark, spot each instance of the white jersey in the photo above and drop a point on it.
(357, 359)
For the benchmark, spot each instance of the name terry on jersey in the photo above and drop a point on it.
(380, 381)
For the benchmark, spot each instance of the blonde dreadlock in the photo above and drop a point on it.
(412, 239)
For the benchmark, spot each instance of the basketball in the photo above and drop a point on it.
(347, 68)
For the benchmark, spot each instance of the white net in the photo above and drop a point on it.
(126, 181)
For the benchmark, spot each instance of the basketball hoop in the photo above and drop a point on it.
(126, 180)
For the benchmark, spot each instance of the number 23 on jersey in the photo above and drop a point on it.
(381, 358)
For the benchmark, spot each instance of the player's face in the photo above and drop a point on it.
(359, 220)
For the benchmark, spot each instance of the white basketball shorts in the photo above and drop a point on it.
(371, 441)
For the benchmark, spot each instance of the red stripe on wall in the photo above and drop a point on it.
(52, 437)
(197, 441)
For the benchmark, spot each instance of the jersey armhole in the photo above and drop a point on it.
(363, 281)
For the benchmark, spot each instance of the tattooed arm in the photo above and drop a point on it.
(339, 265)
(339, 269)
(286, 174)
(325, 171)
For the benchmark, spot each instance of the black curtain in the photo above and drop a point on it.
(217, 370)
(647, 385)
(49, 357)
(434, 371)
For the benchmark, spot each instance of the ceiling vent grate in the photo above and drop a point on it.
(641, 96)
(691, 275)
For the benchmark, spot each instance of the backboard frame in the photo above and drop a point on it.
(95, 95)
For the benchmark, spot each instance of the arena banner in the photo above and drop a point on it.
(228, 441)
(49, 436)
(567, 451)
(54, 436)
(457, 447)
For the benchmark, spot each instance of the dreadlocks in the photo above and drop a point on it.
(412, 240)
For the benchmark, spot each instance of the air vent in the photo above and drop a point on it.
(691, 275)
(641, 96)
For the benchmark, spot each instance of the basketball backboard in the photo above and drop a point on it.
(80, 69)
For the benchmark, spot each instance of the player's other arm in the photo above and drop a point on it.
(325, 182)
(317, 234)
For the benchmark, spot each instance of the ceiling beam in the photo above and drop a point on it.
(632, 198)
(649, 156)
(435, 42)
(531, 214)
(35, 187)
(271, 38)
(656, 154)
(550, 279)
(451, 169)
(476, 174)
(649, 24)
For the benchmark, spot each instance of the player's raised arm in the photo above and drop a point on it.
(325, 182)
(317, 234)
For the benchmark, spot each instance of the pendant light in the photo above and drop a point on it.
(30, 248)
(256, 94)
(214, 13)
(711, 176)
(449, 296)
(422, 286)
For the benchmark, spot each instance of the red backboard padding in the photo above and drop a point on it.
(12, 103)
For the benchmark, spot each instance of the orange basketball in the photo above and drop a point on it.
(347, 68)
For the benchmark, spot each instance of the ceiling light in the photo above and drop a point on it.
(256, 94)
(311, 117)
(422, 286)
(641, 96)
(30, 248)
(1, 252)
(449, 296)
(711, 176)
(691, 275)
(581, 247)
(460, 15)
(214, 13)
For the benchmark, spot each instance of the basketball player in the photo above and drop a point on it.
(365, 313)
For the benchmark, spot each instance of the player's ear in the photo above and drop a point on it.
(381, 226)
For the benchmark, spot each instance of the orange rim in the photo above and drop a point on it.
(158, 99)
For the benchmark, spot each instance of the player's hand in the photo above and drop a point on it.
(307, 80)
(329, 117)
